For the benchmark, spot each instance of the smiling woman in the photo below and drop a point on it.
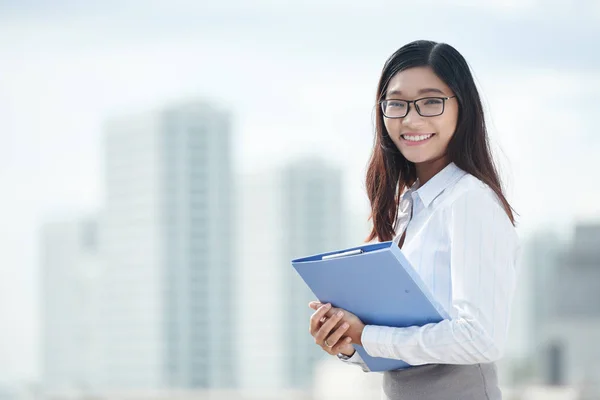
(411, 129)
(447, 125)
(434, 190)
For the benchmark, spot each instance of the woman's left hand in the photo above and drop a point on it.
(356, 325)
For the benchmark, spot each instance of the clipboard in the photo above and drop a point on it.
(376, 283)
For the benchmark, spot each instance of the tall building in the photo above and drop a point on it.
(535, 269)
(542, 258)
(168, 316)
(261, 343)
(70, 268)
(568, 312)
(314, 220)
(286, 213)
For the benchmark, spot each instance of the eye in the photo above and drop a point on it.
(432, 101)
(395, 104)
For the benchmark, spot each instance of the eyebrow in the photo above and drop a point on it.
(421, 91)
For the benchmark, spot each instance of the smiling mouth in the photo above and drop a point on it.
(416, 138)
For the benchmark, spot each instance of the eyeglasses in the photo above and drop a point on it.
(426, 107)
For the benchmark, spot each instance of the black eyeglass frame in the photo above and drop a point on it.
(444, 99)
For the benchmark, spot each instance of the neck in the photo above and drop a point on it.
(427, 170)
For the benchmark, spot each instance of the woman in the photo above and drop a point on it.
(435, 191)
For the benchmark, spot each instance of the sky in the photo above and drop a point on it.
(297, 78)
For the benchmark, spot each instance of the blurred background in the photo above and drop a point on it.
(161, 162)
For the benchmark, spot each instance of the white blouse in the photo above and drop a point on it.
(463, 245)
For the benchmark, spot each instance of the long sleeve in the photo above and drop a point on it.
(484, 248)
(355, 359)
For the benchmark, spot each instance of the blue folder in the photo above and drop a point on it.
(379, 286)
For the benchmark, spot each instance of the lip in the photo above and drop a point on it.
(411, 143)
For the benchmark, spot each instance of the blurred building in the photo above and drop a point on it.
(69, 302)
(5, 393)
(261, 345)
(515, 366)
(531, 308)
(168, 318)
(313, 220)
(288, 213)
(568, 311)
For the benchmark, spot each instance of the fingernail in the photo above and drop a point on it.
(348, 339)
(327, 305)
(339, 313)
(344, 325)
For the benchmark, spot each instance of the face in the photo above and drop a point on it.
(421, 139)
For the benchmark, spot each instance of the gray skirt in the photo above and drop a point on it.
(442, 381)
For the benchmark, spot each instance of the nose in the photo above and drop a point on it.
(412, 117)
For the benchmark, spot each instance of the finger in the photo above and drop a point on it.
(332, 311)
(326, 328)
(316, 318)
(336, 349)
(337, 334)
(329, 314)
(316, 304)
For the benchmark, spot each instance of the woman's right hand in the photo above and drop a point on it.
(326, 335)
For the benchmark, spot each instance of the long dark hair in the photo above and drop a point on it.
(389, 173)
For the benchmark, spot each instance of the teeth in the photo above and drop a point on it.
(417, 138)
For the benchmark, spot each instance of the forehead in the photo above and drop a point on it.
(412, 80)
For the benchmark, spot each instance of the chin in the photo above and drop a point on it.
(417, 158)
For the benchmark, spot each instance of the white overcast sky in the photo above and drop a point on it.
(298, 77)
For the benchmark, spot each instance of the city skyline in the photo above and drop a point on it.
(162, 241)
(299, 177)
(64, 74)
(287, 197)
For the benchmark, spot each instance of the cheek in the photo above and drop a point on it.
(452, 120)
(446, 126)
(392, 126)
